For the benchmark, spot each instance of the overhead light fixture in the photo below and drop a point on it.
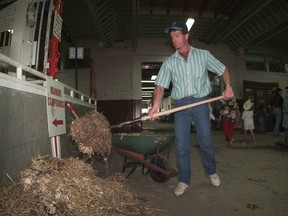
(153, 77)
(145, 66)
(148, 81)
(189, 23)
(147, 94)
(147, 88)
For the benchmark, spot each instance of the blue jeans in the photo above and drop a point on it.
(182, 123)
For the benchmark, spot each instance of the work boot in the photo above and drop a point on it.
(180, 189)
(215, 180)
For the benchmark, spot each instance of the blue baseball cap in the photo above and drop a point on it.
(176, 26)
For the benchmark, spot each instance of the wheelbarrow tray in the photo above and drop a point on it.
(143, 143)
(136, 147)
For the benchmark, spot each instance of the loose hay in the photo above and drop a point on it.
(92, 134)
(67, 187)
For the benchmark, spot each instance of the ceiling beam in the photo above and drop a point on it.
(169, 6)
(223, 6)
(242, 17)
(268, 35)
(185, 5)
(202, 8)
(103, 20)
(268, 23)
(95, 21)
(151, 7)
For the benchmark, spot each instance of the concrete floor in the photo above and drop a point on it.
(254, 179)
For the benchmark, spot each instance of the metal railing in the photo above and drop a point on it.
(27, 78)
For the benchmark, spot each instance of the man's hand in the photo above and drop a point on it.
(228, 93)
(152, 111)
(158, 95)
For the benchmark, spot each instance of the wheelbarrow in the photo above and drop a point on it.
(137, 147)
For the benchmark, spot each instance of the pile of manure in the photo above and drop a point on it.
(54, 186)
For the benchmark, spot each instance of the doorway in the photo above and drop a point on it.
(259, 93)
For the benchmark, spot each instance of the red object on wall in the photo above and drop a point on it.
(54, 55)
(92, 84)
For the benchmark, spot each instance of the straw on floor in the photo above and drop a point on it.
(68, 186)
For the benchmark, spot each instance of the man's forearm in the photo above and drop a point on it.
(226, 77)
(158, 95)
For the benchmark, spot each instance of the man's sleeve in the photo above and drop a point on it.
(214, 65)
(164, 76)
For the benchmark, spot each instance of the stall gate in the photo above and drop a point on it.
(34, 116)
(24, 33)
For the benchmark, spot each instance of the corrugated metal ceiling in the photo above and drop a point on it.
(242, 24)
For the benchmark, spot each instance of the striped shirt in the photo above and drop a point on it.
(189, 78)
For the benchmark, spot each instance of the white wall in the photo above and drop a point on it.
(67, 76)
(257, 76)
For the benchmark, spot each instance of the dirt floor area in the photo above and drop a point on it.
(253, 179)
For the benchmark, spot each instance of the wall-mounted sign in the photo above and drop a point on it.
(55, 108)
(57, 28)
(7, 17)
(80, 53)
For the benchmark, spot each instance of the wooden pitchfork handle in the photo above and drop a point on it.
(167, 112)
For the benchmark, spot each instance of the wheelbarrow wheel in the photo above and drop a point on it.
(163, 164)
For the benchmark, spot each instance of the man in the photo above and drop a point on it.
(277, 103)
(187, 69)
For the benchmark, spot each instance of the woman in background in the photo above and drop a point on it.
(248, 121)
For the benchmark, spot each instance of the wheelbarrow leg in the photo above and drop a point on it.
(132, 170)
(128, 164)
(124, 164)
(143, 167)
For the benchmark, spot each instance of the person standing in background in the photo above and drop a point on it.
(276, 104)
(229, 121)
(211, 115)
(248, 120)
(187, 69)
(270, 120)
(226, 124)
(261, 118)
